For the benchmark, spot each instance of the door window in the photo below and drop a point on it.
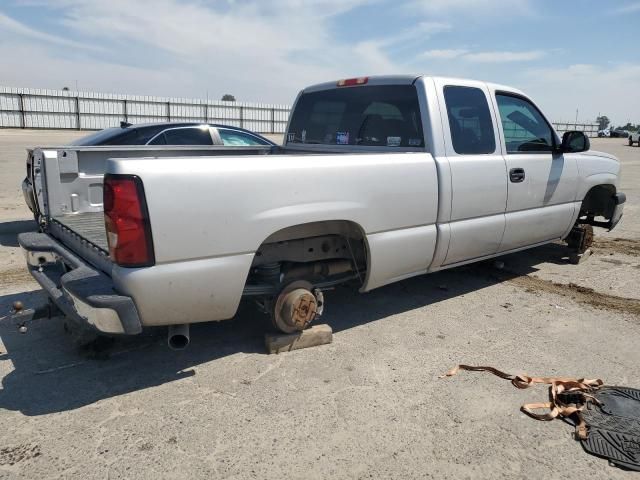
(469, 120)
(188, 136)
(234, 138)
(525, 129)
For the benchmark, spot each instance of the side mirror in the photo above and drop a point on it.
(575, 141)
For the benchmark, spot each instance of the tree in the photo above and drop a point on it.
(227, 97)
(603, 122)
(65, 89)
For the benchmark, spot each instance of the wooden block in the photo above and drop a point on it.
(576, 258)
(311, 337)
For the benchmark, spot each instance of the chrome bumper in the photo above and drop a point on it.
(82, 292)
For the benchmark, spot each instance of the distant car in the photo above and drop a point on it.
(604, 133)
(174, 134)
(619, 133)
(634, 137)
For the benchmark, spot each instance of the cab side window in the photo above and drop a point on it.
(525, 129)
(469, 120)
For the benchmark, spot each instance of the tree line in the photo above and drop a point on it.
(604, 123)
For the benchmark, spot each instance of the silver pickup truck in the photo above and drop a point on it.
(379, 179)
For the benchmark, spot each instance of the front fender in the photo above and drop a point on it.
(595, 180)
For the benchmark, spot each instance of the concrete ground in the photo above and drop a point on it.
(370, 405)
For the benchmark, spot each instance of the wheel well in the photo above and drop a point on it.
(319, 252)
(598, 202)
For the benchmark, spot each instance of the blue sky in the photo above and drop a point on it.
(580, 54)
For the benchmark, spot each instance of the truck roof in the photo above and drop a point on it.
(408, 80)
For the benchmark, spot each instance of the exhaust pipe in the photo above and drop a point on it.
(178, 338)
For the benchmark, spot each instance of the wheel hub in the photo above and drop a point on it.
(295, 309)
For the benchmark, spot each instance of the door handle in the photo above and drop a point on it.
(516, 175)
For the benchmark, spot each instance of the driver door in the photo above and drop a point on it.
(541, 184)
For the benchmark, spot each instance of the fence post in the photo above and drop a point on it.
(273, 120)
(78, 111)
(241, 117)
(23, 118)
(126, 113)
(206, 113)
(168, 111)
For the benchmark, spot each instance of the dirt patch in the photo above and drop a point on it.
(15, 275)
(614, 261)
(625, 246)
(577, 293)
(13, 455)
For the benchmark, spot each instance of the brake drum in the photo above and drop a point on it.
(295, 308)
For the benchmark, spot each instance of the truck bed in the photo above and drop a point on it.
(88, 225)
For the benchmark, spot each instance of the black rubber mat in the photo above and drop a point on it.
(614, 427)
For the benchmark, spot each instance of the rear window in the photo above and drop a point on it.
(98, 137)
(387, 115)
(135, 136)
(120, 136)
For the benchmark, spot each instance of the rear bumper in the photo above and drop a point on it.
(83, 293)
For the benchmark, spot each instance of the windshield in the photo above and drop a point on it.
(387, 115)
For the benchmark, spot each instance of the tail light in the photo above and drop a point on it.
(127, 221)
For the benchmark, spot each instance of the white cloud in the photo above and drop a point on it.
(503, 57)
(372, 52)
(592, 89)
(629, 8)
(472, 7)
(10, 27)
(322, 8)
(482, 57)
(91, 75)
(256, 51)
(422, 31)
(445, 54)
(266, 51)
